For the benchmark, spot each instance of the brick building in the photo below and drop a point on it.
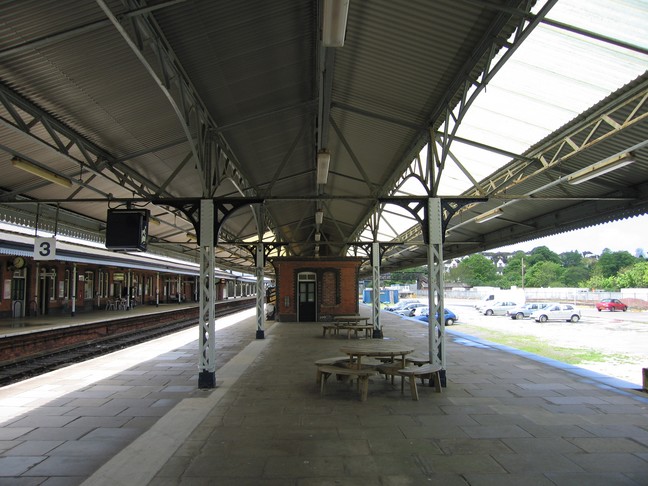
(316, 289)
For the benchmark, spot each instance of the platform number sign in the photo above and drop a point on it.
(44, 248)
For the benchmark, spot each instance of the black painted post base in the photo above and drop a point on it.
(377, 334)
(443, 378)
(260, 334)
(207, 379)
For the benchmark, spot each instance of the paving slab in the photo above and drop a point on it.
(503, 419)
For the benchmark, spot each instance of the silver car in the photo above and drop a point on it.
(409, 309)
(498, 308)
(525, 310)
(557, 312)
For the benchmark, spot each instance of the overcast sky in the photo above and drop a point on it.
(628, 235)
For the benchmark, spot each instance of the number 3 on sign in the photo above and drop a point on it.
(44, 248)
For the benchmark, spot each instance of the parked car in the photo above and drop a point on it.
(400, 304)
(523, 311)
(557, 312)
(450, 317)
(498, 308)
(421, 311)
(408, 309)
(611, 305)
(489, 299)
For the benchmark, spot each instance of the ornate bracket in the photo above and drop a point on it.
(367, 247)
(268, 247)
(224, 207)
(414, 205)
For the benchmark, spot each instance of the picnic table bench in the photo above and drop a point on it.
(363, 374)
(349, 324)
(426, 371)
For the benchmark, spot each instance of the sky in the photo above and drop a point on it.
(628, 234)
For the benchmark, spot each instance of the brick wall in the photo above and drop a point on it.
(337, 286)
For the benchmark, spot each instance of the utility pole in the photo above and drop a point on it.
(522, 273)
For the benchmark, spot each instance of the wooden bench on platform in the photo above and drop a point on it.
(334, 329)
(427, 371)
(330, 328)
(324, 371)
(417, 360)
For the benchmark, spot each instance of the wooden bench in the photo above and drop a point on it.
(426, 371)
(340, 361)
(329, 327)
(335, 360)
(417, 360)
(367, 328)
(324, 371)
(334, 329)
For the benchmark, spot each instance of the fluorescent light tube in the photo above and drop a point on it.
(600, 168)
(495, 213)
(41, 172)
(334, 22)
(323, 162)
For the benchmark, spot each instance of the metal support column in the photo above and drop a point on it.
(157, 289)
(36, 286)
(375, 294)
(74, 288)
(436, 316)
(207, 342)
(129, 283)
(260, 311)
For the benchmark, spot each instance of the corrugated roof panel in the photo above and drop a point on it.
(551, 78)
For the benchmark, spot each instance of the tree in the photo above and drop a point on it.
(634, 276)
(476, 270)
(512, 272)
(611, 263)
(575, 276)
(406, 276)
(544, 274)
(602, 283)
(571, 259)
(542, 254)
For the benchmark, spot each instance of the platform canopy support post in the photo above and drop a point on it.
(260, 293)
(436, 316)
(375, 293)
(207, 342)
(74, 289)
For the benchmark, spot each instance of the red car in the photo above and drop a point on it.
(611, 305)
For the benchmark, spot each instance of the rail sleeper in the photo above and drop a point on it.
(324, 371)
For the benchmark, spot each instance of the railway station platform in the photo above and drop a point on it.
(15, 325)
(136, 417)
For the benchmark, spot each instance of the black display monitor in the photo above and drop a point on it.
(127, 229)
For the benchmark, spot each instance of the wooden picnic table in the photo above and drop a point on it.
(377, 348)
(350, 320)
(350, 323)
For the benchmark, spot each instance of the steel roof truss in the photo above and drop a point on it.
(450, 114)
(164, 67)
(596, 129)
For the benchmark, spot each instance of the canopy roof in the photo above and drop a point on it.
(162, 103)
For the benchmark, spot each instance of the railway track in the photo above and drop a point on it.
(21, 369)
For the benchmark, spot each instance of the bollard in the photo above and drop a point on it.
(645, 379)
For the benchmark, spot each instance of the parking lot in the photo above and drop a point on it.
(622, 337)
